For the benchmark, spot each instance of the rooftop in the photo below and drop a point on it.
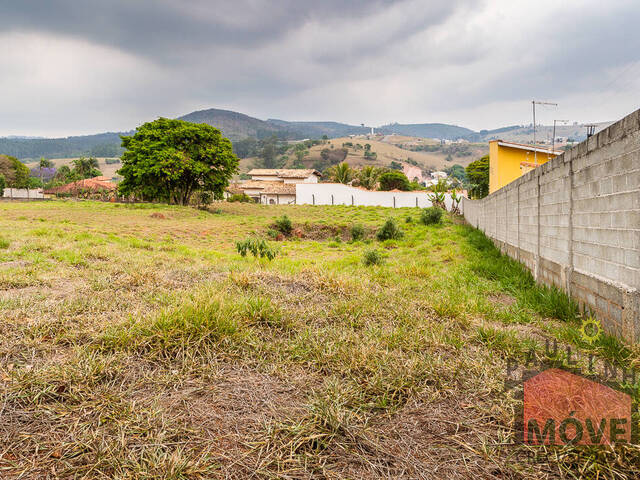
(524, 146)
(285, 172)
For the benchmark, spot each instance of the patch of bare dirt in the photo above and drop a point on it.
(502, 298)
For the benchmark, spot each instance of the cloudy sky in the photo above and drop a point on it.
(85, 66)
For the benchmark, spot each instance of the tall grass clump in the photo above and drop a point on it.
(372, 257)
(4, 243)
(431, 216)
(389, 231)
(513, 278)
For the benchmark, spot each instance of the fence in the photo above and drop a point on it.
(23, 193)
(575, 223)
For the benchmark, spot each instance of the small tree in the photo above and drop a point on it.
(478, 174)
(300, 151)
(394, 180)
(368, 177)
(341, 173)
(169, 160)
(86, 167)
(3, 184)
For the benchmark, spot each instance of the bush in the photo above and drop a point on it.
(239, 197)
(357, 232)
(431, 215)
(112, 161)
(389, 231)
(258, 247)
(372, 257)
(394, 180)
(284, 225)
(273, 234)
(4, 244)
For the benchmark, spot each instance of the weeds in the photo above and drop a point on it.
(372, 257)
(258, 247)
(431, 216)
(357, 232)
(389, 231)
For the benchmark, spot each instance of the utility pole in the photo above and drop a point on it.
(533, 104)
(553, 141)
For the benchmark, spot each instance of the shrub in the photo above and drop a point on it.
(258, 247)
(4, 243)
(389, 231)
(431, 215)
(409, 219)
(112, 161)
(372, 257)
(394, 180)
(357, 232)
(273, 234)
(284, 225)
(239, 197)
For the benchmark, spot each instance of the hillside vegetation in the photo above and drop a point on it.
(385, 150)
(137, 343)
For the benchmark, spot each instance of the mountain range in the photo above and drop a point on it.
(237, 126)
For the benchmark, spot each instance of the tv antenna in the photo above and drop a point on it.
(553, 140)
(533, 104)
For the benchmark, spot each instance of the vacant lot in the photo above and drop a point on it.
(136, 343)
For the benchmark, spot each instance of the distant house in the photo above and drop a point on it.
(290, 175)
(274, 186)
(89, 187)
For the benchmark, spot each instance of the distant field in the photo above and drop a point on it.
(107, 170)
(137, 344)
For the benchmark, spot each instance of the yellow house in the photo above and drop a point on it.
(508, 161)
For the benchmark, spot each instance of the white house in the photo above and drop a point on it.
(274, 186)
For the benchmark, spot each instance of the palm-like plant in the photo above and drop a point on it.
(341, 173)
(368, 177)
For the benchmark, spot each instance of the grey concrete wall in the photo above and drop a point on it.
(575, 223)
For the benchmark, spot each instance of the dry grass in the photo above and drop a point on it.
(136, 343)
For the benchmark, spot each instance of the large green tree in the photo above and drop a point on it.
(15, 172)
(478, 175)
(169, 160)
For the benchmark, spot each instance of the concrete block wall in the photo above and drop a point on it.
(575, 223)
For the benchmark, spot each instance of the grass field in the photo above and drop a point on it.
(137, 343)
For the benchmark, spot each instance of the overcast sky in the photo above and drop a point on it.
(71, 67)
